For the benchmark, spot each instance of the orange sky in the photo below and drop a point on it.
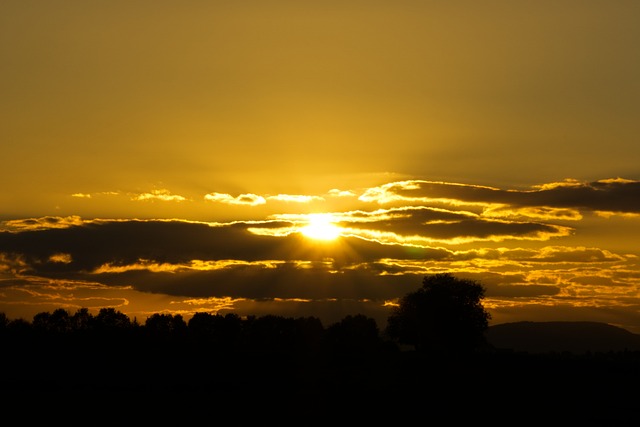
(495, 140)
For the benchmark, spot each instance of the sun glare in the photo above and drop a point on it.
(321, 227)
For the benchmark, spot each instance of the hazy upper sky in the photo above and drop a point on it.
(498, 140)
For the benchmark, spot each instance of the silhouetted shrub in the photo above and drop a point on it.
(444, 316)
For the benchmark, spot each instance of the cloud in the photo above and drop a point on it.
(242, 199)
(334, 192)
(42, 223)
(161, 195)
(425, 226)
(610, 195)
(92, 195)
(61, 257)
(254, 200)
(191, 255)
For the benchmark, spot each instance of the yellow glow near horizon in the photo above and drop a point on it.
(321, 227)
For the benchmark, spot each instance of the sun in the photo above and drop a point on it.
(321, 227)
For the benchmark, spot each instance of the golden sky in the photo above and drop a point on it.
(163, 156)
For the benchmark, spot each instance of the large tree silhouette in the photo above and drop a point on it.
(444, 316)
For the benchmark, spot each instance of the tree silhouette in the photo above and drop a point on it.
(110, 320)
(165, 326)
(82, 321)
(58, 322)
(353, 334)
(444, 316)
(216, 330)
(272, 334)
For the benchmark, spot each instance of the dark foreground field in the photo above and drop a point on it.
(295, 372)
(501, 388)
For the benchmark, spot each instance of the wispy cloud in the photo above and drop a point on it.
(42, 223)
(334, 192)
(163, 195)
(242, 199)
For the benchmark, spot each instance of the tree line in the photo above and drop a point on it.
(445, 315)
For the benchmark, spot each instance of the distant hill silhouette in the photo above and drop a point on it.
(562, 336)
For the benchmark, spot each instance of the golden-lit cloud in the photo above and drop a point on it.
(196, 265)
(61, 257)
(415, 191)
(561, 184)
(212, 304)
(616, 195)
(163, 195)
(334, 192)
(609, 214)
(42, 223)
(12, 263)
(538, 212)
(242, 199)
(101, 193)
(425, 226)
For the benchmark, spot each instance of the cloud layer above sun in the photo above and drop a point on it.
(526, 246)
